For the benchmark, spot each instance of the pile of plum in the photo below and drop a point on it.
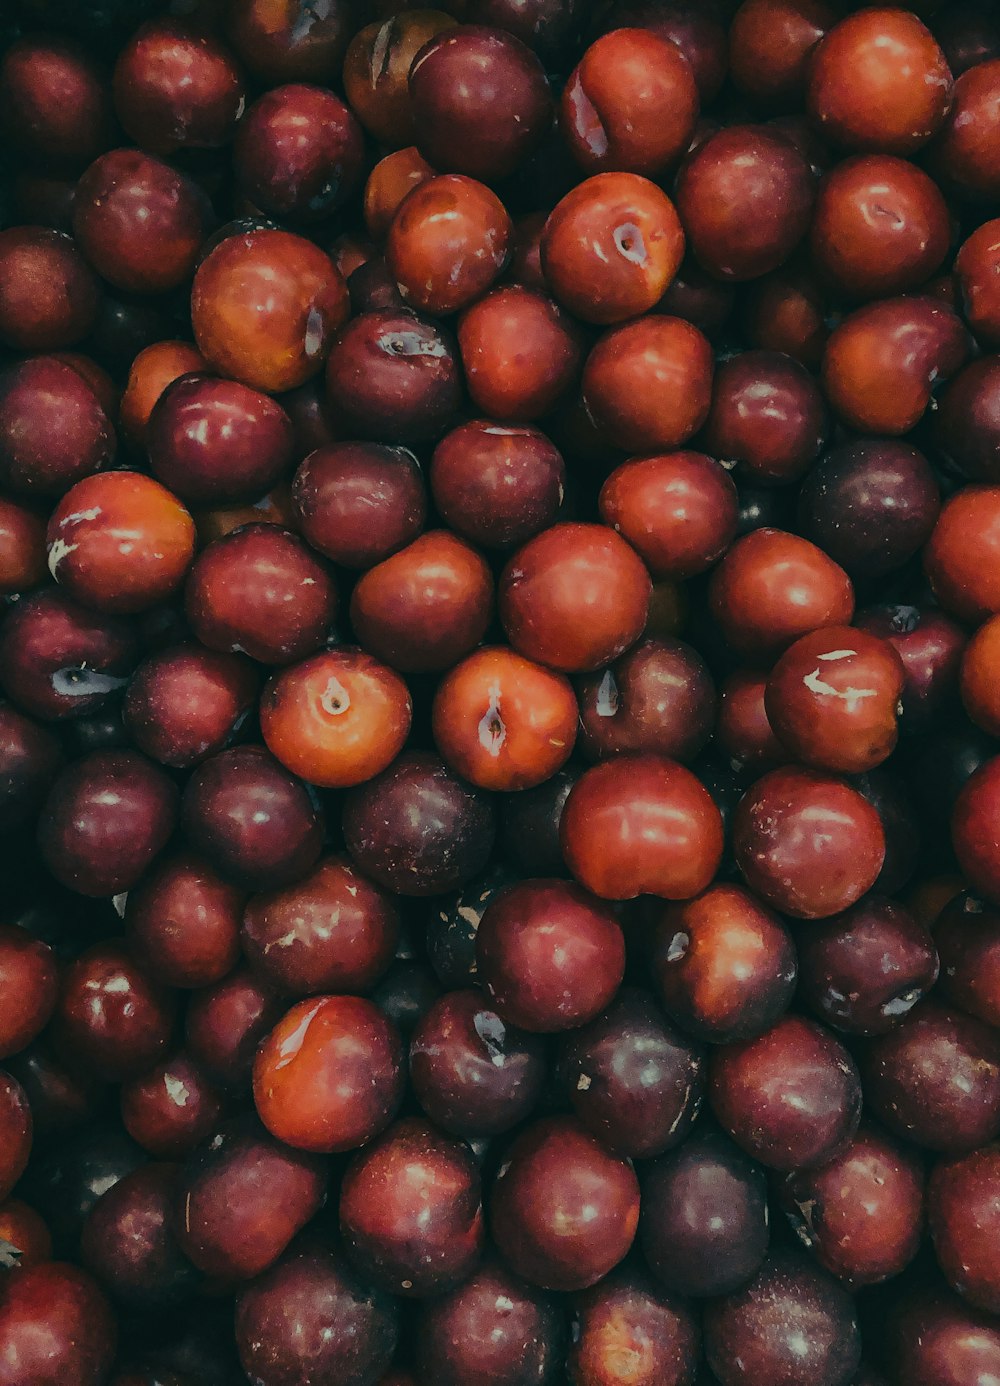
(499, 693)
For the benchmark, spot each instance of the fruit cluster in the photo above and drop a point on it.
(500, 672)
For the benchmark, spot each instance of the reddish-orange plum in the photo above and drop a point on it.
(330, 1075)
(447, 243)
(611, 247)
(878, 81)
(425, 606)
(647, 386)
(388, 184)
(959, 558)
(880, 226)
(630, 104)
(265, 306)
(520, 353)
(336, 719)
(628, 1308)
(772, 587)
(833, 699)
(574, 597)
(961, 1202)
(724, 964)
(641, 825)
(120, 542)
(809, 844)
(504, 722)
(882, 362)
(57, 1327)
(678, 510)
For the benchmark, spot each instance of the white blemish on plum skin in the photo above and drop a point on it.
(492, 732)
(58, 550)
(335, 698)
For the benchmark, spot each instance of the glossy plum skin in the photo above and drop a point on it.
(447, 243)
(171, 1108)
(493, 1328)
(623, 225)
(504, 722)
(935, 1079)
(788, 1304)
(306, 302)
(486, 83)
(138, 221)
(184, 921)
(393, 376)
(260, 591)
(471, 1073)
(184, 703)
(298, 153)
(215, 442)
(330, 1075)
(879, 82)
(57, 1327)
(628, 1306)
(861, 1214)
(965, 937)
(938, 1340)
(110, 1015)
(339, 486)
(790, 1097)
(416, 829)
(832, 699)
(254, 821)
(658, 697)
(106, 818)
(703, 1226)
(556, 1175)
(632, 1080)
(808, 844)
(960, 1197)
(424, 607)
(332, 931)
(678, 510)
(311, 1314)
(744, 197)
(410, 1211)
(520, 353)
(862, 971)
(575, 597)
(497, 485)
(225, 1024)
(549, 955)
(222, 1223)
(639, 825)
(768, 415)
(724, 965)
